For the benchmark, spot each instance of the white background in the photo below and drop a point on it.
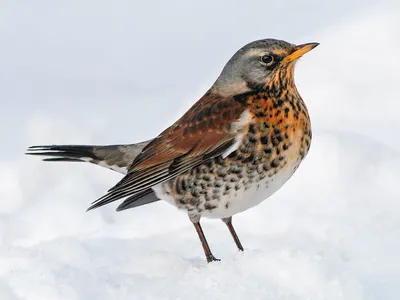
(106, 72)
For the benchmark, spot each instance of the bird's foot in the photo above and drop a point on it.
(211, 258)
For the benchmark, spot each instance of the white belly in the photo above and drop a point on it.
(242, 199)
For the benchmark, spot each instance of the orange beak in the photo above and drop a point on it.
(299, 51)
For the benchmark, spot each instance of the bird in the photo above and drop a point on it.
(234, 148)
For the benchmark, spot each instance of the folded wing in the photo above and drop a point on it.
(207, 130)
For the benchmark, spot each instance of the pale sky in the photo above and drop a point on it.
(121, 71)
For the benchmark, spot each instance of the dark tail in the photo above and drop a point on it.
(64, 153)
(115, 157)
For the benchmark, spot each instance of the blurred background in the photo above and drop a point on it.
(107, 72)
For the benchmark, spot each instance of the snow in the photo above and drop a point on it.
(332, 232)
(327, 235)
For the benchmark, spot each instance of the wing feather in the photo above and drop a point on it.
(207, 130)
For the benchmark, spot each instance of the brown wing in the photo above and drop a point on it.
(202, 133)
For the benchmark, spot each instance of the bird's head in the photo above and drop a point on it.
(260, 64)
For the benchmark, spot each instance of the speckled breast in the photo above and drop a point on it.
(268, 155)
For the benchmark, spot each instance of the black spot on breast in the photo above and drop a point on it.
(275, 141)
(286, 112)
(234, 179)
(248, 159)
(278, 103)
(221, 173)
(236, 170)
(244, 149)
(195, 193)
(274, 163)
(264, 140)
(237, 157)
(267, 150)
(217, 184)
(209, 206)
(252, 129)
(252, 139)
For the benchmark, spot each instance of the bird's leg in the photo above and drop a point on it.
(228, 222)
(207, 251)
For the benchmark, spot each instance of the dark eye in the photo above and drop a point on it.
(267, 59)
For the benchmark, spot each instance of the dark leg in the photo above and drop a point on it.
(228, 222)
(209, 256)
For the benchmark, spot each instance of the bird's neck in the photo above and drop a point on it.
(282, 82)
(279, 91)
(275, 91)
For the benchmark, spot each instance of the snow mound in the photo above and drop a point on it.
(330, 233)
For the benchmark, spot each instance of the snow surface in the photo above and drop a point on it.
(332, 232)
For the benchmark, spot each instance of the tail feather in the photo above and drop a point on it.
(63, 159)
(115, 157)
(147, 197)
(144, 197)
(74, 152)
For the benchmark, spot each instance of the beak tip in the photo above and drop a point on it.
(310, 45)
(315, 44)
(300, 50)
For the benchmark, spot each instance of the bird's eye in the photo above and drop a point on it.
(267, 59)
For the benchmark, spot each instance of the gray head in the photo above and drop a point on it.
(256, 64)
